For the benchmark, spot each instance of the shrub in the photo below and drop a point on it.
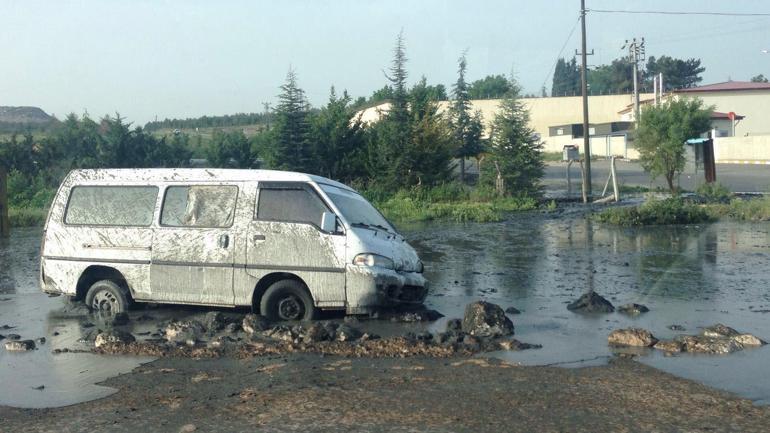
(714, 193)
(656, 212)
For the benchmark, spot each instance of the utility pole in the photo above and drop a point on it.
(584, 90)
(635, 54)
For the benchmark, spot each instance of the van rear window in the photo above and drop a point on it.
(199, 206)
(111, 205)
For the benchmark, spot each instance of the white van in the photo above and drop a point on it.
(287, 244)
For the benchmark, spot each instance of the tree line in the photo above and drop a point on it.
(411, 145)
(617, 77)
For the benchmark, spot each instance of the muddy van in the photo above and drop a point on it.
(286, 244)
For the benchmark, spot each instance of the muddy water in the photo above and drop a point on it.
(689, 276)
(41, 378)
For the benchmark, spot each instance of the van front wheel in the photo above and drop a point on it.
(288, 300)
(107, 297)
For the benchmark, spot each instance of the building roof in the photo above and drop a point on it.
(727, 86)
(721, 115)
(171, 175)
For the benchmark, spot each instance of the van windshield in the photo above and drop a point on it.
(356, 210)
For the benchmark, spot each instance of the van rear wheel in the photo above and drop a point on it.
(107, 297)
(288, 300)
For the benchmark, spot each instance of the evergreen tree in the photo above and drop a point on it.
(339, 140)
(291, 148)
(229, 149)
(566, 78)
(466, 129)
(389, 152)
(515, 164)
(677, 73)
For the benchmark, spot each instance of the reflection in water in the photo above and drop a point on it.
(691, 276)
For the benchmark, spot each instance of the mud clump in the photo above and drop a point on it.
(633, 309)
(19, 345)
(184, 332)
(484, 319)
(253, 323)
(717, 340)
(423, 315)
(591, 302)
(634, 337)
(113, 337)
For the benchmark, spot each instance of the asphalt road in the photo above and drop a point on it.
(736, 177)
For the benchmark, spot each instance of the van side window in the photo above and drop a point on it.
(199, 206)
(290, 204)
(111, 205)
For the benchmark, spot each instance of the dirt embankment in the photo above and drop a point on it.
(304, 392)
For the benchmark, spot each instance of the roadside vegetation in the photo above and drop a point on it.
(711, 202)
(406, 159)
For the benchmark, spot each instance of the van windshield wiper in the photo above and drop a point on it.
(371, 226)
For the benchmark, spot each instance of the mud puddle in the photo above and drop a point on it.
(688, 276)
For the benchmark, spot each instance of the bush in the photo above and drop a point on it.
(656, 212)
(714, 193)
(749, 210)
(27, 217)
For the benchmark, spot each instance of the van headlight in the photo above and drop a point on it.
(373, 260)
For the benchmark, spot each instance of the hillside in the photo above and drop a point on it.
(24, 115)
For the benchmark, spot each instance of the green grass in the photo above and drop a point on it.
(449, 202)
(27, 217)
(680, 211)
(656, 212)
(755, 209)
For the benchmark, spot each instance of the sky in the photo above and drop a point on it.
(148, 59)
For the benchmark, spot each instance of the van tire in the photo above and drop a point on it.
(288, 300)
(107, 297)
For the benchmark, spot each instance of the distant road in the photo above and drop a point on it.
(736, 177)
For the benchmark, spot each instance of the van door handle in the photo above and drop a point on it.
(258, 238)
(224, 240)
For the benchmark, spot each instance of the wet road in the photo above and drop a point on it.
(690, 276)
(736, 177)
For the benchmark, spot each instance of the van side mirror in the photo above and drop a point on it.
(329, 222)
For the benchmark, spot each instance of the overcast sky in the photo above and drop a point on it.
(147, 58)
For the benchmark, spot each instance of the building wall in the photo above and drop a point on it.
(543, 112)
(754, 104)
(742, 149)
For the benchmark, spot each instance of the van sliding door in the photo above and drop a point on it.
(193, 249)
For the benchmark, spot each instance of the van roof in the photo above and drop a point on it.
(194, 174)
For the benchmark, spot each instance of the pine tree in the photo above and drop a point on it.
(291, 148)
(466, 130)
(516, 164)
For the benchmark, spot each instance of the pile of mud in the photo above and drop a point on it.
(485, 328)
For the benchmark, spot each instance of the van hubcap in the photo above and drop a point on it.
(290, 308)
(105, 301)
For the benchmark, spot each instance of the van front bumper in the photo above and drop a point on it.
(371, 287)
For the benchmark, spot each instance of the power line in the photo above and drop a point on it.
(727, 14)
(558, 56)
